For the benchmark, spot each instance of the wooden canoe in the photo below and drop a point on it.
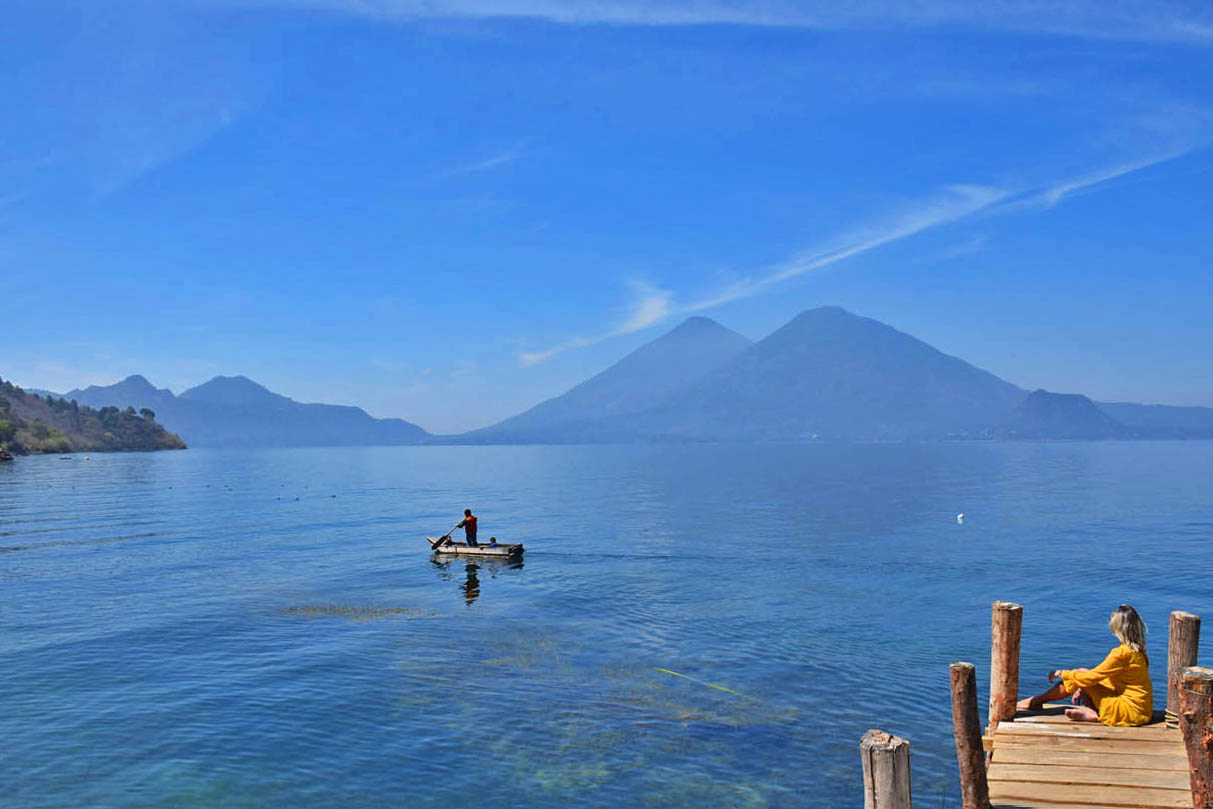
(503, 550)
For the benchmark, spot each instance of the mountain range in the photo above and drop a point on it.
(237, 412)
(642, 380)
(827, 374)
(37, 423)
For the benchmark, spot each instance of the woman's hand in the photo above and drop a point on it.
(1055, 675)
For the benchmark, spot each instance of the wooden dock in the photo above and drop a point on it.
(1044, 761)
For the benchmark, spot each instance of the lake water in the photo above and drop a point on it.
(266, 628)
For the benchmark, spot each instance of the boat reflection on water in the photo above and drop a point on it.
(449, 568)
(471, 588)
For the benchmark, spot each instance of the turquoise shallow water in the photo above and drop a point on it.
(266, 629)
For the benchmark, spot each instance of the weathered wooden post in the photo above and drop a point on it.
(1006, 622)
(1196, 724)
(886, 771)
(966, 727)
(1181, 653)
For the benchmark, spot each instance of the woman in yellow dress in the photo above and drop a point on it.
(1118, 690)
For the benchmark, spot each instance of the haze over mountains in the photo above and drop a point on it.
(831, 373)
(826, 375)
(237, 412)
(640, 381)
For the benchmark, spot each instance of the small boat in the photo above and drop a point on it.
(504, 550)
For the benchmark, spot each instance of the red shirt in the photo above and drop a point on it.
(469, 525)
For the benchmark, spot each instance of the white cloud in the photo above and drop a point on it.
(652, 305)
(527, 358)
(958, 202)
(1050, 197)
(953, 204)
(1158, 20)
(508, 155)
(649, 307)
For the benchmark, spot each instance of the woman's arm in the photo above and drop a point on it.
(1112, 665)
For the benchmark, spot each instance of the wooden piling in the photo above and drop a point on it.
(886, 771)
(1006, 622)
(1196, 724)
(966, 727)
(1181, 653)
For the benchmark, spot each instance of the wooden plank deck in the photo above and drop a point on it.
(1044, 761)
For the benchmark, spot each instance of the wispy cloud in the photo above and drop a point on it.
(527, 358)
(1160, 20)
(953, 204)
(508, 155)
(653, 305)
(1043, 198)
(1049, 197)
(650, 306)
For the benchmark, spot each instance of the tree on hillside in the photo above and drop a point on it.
(148, 413)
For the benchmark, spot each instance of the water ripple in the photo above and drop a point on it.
(266, 628)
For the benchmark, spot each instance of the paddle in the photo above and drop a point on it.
(435, 545)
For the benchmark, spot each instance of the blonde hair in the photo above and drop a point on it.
(1128, 628)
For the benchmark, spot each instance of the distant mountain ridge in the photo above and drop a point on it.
(1162, 421)
(237, 412)
(1062, 415)
(238, 391)
(836, 375)
(638, 382)
(44, 423)
(827, 374)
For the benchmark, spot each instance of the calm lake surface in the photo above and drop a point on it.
(266, 628)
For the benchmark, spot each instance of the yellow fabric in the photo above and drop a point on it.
(1119, 686)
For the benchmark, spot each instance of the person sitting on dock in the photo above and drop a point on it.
(1118, 690)
(468, 524)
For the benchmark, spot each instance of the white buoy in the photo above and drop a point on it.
(960, 519)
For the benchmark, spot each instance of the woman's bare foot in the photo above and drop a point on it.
(1083, 714)
(1030, 704)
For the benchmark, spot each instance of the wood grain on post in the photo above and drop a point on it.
(1181, 653)
(886, 771)
(1006, 622)
(966, 727)
(1196, 724)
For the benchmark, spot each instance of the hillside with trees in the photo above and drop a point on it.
(30, 423)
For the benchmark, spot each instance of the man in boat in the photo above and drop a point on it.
(468, 524)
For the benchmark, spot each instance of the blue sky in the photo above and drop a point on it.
(448, 211)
